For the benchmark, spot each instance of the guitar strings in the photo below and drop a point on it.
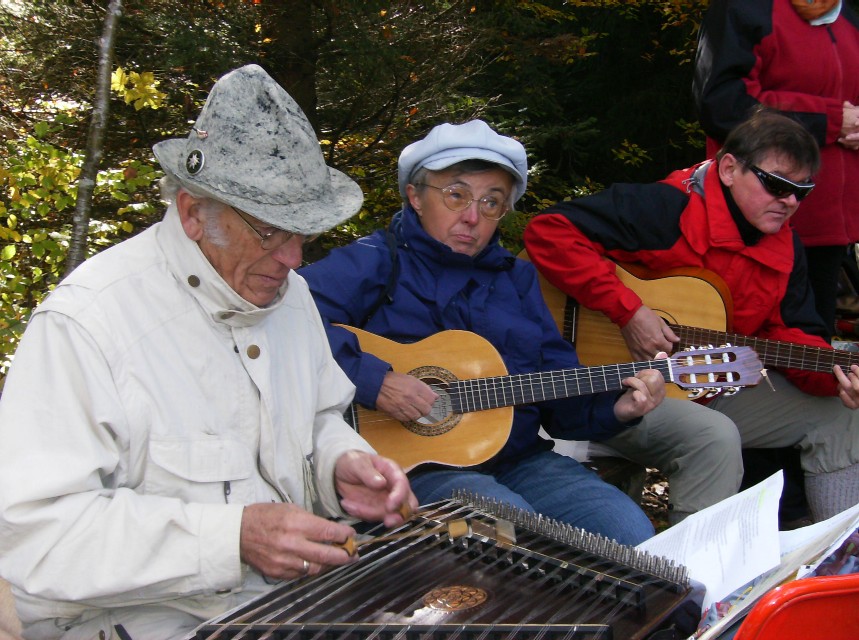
(774, 353)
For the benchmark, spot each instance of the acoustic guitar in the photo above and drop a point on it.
(684, 296)
(471, 420)
(696, 304)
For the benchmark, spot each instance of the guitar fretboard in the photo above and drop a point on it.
(505, 391)
(773, 353)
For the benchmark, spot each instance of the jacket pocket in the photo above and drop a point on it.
(195, 469)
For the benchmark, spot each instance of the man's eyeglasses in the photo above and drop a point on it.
(274, 239)
(781, 187)
(458, 198)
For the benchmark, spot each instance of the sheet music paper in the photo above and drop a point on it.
(728, 544)
(737, 542)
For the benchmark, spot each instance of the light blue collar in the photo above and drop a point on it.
(827, 18)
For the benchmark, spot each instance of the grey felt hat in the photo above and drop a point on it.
(447, 144)
(253, 148)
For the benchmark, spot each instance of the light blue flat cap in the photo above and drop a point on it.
(447, 144)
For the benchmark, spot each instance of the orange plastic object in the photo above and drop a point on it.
(822, 607)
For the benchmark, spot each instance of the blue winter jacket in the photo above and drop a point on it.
(492, 294)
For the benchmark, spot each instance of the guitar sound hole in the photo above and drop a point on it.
(441, 417)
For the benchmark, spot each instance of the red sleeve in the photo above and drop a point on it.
(577, 266)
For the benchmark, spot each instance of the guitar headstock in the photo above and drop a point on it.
(712, 370)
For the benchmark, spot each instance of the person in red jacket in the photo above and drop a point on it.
(800, 57)
(730, 216)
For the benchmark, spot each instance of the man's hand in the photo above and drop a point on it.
(644, 393)
(848, 386)
(284, 541)
(404, 397)
(849, 137)
(849, 119)
(647, 334)
(373, 488)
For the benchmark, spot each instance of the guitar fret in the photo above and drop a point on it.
(521, 389)
(491, 387)
(477, 395)
(470, 397)
(528, 391)
(546, 383)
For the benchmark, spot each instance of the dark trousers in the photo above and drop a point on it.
(824, 269)
(760, 464)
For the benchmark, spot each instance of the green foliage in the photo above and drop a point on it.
(37, 199)
(630, 153)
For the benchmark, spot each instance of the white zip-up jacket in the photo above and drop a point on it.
(147, 403)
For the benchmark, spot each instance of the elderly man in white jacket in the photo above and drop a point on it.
(172, 423)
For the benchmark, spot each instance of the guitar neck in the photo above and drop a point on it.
(773, 353)
(504, 391)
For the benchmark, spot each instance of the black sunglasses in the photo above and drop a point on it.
(781, 187)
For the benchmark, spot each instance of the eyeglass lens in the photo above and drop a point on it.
(276, 238)
(781, 187)
(457, 198)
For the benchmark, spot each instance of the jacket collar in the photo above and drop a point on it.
(712, 226)
(196, 274)
(407, 227)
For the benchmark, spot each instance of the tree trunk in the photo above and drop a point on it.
(293, 51)
(92, 159)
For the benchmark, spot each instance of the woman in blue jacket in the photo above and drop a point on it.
(439, 266)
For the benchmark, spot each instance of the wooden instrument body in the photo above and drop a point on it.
(474, 437)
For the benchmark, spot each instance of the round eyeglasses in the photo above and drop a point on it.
(458, 198)
(274, 239)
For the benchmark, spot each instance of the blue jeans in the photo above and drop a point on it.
(551, 484)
